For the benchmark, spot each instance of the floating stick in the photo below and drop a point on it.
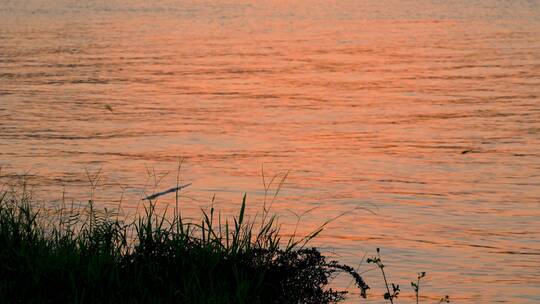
(153, 196)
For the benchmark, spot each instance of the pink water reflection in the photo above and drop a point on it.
(368, 105)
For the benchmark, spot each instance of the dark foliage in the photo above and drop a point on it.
(92, 260)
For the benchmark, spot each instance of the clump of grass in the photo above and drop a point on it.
(91, 256)
(86, 255)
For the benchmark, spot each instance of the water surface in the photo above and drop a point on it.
(425, 112)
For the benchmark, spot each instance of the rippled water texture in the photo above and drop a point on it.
(425, 112)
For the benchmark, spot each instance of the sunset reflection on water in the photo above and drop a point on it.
(419, 121)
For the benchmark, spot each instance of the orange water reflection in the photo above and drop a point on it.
(369, 105)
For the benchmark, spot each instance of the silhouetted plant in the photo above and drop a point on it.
(87, 256)
(416, 285)
(391, 295)
(93, 256)
(395, 288)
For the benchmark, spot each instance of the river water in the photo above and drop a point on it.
(419, 121)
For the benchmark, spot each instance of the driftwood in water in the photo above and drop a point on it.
(155, 195)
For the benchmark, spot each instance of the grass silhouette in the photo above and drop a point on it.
(87, 255)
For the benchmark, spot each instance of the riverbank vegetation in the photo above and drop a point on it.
(88, 255)
(92, 256)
